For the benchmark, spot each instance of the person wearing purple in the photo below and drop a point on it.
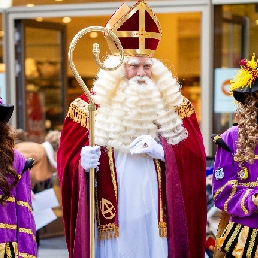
(17, 226)
(235, 177)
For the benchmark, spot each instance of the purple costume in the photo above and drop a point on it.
(17, 226)
(235, 184)
(231, 193)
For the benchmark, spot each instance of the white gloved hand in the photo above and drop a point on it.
(146, 144)
(90, 157)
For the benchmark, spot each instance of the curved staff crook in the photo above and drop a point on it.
(92, 107)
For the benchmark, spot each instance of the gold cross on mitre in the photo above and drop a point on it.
(137, 28)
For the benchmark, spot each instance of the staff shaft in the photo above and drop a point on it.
(91, 108)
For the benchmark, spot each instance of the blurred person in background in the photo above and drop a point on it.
(17, 226)
(44, 155)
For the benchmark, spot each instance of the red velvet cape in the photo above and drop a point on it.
(185, 191)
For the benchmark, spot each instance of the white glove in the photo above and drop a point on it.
(146, 144)
(90, 157)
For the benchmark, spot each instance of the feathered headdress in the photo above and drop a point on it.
(245, 80)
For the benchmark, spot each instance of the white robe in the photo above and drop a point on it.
(137, 211)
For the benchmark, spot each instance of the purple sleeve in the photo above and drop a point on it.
(230, 193)
(27, 246)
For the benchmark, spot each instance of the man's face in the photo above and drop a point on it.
(138, 66)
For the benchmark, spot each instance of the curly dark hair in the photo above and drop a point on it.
(8, 176)
(248, 129)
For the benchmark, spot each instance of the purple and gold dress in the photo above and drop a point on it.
(17, 226)
(233, 191)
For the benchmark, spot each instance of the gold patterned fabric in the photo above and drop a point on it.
(239, 241)
(78, 112)
(186, 109)
(9, 250)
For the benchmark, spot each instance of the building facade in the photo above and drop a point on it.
(202, 43)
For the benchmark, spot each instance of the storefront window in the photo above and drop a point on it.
(41, 80)
(2, 66)
(51, 2)
(236, 30)
(1, 41)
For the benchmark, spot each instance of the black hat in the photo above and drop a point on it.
(246, 80)
(5, 111)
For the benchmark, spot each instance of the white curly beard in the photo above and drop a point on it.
(134, 109)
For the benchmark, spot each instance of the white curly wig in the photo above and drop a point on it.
(128, 110)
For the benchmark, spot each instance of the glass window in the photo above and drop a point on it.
(236, 30)
(41, 80)
(180, 50)
(51, 2)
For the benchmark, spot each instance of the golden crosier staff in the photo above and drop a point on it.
(92, 107)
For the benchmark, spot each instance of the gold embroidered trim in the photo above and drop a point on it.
(233, 191)
(15, 248)
(5, 249)
(163, 232)
(79, 113)
(21, 203)
(8, 226)
(24, 230)
(97, 204)
(243, 201)
(106, 231)
(8, 250)
(159, 182)
(27, 231)
(162, 225)
(220, 190)
(249, 184)
(232, 238)
(111, 164)
(25, 255)
(226, 229)
(2, 249)
(216, 138)
(251, 243)
(107, 209)
(186, 109)
(10, 199)
(24, 204)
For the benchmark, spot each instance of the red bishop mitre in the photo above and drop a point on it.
(137, 28)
